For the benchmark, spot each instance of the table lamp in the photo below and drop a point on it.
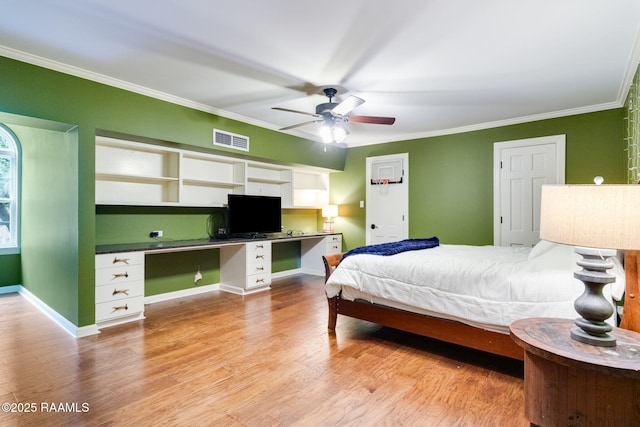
(329, 212)
(597, 219)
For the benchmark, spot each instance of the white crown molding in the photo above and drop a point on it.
(634, 60)
(496, 124)
(121, 84)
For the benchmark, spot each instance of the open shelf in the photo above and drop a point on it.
(134, 173)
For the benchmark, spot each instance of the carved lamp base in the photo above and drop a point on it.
(592, 305)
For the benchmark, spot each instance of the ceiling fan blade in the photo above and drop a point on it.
(372, 120)
(299, 124)
(346, 106)
(295, 111)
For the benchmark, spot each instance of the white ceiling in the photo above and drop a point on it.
(438, 66)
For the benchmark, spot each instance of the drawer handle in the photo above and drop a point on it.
(260, 280)
(120, 275)
(120, 291)
(259, 246)
(259, 256)
(335, 239)
(124, 260)
(120, 307)
(259, 268)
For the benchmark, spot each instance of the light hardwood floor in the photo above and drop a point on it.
(259, 360)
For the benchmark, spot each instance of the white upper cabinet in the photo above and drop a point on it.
(134, 173)
(206, 180)
(269, 180)
(139, 174)
(310, 189)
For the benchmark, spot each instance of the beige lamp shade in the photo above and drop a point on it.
(330, 211)
(594, 216)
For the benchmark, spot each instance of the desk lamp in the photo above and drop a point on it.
(597, 219)
(329, 212)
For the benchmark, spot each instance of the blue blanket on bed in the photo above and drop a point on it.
(393, 248)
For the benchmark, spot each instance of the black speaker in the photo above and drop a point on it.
(218, 224)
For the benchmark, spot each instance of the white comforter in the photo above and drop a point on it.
(483, 286)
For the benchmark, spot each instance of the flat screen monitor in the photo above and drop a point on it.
(250, 215)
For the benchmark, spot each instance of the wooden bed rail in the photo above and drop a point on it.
(459, 333)
(432, 327)
(631, 313)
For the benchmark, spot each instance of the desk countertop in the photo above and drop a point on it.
(158, 246)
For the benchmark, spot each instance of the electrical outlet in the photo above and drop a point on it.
(156, 233)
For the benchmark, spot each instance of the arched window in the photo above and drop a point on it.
(9, 202)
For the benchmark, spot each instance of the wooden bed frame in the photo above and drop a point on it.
(459, 333)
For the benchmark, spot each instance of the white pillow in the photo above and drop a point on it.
(541, 247)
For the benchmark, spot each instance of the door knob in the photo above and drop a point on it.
(373, 226)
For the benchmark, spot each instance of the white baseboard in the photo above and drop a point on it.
(13, 289)
(84, 331)
(70, 328)
(285, 273)
(181, 293)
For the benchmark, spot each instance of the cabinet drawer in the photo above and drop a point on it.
(259, 267)
(119, 259)
(258, 280)
(119, 291)
(258, 248)
(120, 308)
(332, 248)
(259, 258)
(116, 275)
(334, 239)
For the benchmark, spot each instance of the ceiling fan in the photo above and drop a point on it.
(334, 115)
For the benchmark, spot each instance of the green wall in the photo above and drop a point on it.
(49, 206)
(451, 176)
(10, 270)
(34, 92)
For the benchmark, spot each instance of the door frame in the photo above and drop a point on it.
(405, 183)
(560, 143)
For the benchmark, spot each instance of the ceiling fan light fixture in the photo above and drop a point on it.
(335, 115)
(332, 132)
(326, 133)
(339, 134)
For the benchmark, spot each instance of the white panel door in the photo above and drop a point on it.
(387, 204)
(522, 168)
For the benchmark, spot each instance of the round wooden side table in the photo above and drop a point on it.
(569, 383)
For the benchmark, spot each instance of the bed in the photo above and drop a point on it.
(468, 295)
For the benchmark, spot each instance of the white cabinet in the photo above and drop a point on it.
(206, 180)
(310, 189)
(312, 251)
(119, 288)
(333, 244)
(134, 173)
(269, 180)
(245, 268)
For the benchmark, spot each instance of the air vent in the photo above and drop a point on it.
(230, 140)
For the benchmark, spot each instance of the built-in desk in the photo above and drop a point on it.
(245, 267)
